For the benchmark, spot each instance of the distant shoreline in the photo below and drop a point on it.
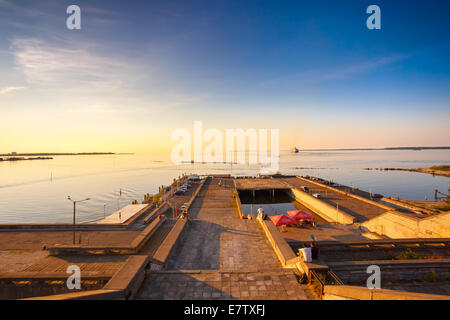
(442, 170)
(55, 154)
(387, 148)
(24, 159)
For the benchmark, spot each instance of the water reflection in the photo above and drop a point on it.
(36, 191)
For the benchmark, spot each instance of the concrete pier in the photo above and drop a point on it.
(219, 252)
(122, 215)
(222, 257)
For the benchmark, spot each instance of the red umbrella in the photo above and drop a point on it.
(282, 219)
(300, 215)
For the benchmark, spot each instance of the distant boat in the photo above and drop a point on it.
(295, 150)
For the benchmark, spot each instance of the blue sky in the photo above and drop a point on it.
(137, 70)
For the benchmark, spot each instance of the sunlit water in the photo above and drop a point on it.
(36, 191)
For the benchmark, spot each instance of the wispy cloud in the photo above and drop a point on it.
(340, 72)
(97, 80)
(349, 70)
(6, 90)
(67, 65)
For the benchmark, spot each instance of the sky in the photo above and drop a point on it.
(138, 70)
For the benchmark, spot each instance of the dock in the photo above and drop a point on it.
(221, 252)
(122, 215)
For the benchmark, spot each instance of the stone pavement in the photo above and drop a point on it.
(222, 285)
(22, 251)
(217, 239)
(359, 209)
(89, 265)
(220, 256)
(35, 240)
(16, 261)
(323, 232)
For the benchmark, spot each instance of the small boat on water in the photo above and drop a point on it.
(295, 150)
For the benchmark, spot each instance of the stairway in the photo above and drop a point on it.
(157, 238)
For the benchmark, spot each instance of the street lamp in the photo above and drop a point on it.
(74, 210)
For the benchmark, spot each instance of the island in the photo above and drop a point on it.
(23, 158)
(15, 154)
(441, 170)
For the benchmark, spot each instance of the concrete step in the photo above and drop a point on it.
(157, 238)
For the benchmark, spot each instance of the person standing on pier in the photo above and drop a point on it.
(260, 212)
(314, 251)
(306, 253)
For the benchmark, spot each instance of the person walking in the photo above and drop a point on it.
(188, 217)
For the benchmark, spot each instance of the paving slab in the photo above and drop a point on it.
(185, 286)
(222, 257)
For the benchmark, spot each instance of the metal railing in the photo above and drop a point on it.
(318, 281)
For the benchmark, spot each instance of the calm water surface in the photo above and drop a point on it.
(36, 191)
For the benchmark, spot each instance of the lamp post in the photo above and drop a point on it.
(74, 212)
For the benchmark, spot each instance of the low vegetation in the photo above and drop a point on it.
(409, 254)
(431, 276)
(445, 206)
(441, 168)
(157, 198)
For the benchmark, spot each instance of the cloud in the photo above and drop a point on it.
(99, 10)
(97, 80)
(337, 73)
(69, 65)
(347, 71)
(6, 90)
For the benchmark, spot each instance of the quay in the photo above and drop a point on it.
(223, 251)
(122, 215)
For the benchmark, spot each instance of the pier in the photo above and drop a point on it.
(222, 257)
(218, 250)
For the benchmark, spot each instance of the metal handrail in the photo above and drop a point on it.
(323, 279)
(314, 277)
(335, 278)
